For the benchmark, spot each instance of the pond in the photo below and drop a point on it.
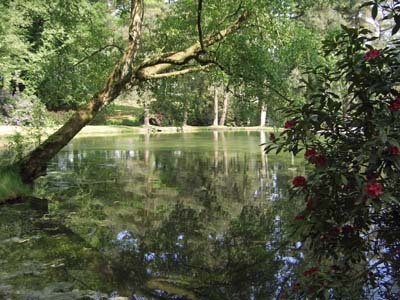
(169, 216)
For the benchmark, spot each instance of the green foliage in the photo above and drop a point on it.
(61, 50)
(349, 129)
(76, 56)
(11, 185)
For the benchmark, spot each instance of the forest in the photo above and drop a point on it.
(199, 149)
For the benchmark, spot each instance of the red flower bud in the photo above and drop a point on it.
(272, 136)
(372, 54)
(290, 123)
(310, 153)
(299, 181)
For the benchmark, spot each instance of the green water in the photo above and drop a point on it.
(190, 216)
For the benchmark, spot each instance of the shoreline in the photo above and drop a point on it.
(94, 130)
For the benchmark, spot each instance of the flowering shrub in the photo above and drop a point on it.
(349, 130)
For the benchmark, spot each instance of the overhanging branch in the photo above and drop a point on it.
(96, 52)
(160, 64)
(179, 72)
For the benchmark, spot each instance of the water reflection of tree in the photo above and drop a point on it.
(203, 220)
(186, 250)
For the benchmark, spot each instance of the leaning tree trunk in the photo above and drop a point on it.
(34, 165)
(124, 76)
(224, 108)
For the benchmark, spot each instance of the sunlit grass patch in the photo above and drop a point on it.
(11, 185)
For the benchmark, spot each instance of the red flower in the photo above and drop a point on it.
(272, 136)
(318, 160)
(299, 181)
(299, 217)
(311, 271)
(290, 123)
(374, 189)
(371, 54)
(394, 150)
(395, 104)
(310, 153)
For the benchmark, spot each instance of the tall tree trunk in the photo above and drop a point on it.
(215, 123)
(185, 117)
(124, 75)
(146, 113)
(263, 115)
(224, 108)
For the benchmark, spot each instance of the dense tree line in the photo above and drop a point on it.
(60, 54)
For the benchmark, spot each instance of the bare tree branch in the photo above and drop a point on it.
(96, 52)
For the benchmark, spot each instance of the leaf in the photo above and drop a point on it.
(395, 28)
(374, 12)
(344, 179)
(369, 3)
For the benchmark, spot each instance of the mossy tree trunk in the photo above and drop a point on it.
(126, 74)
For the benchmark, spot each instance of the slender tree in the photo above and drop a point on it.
(225, 105)
(216, 106)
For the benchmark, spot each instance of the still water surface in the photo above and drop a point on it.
(172, 216)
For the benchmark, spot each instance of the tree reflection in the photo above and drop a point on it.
(200, 223)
